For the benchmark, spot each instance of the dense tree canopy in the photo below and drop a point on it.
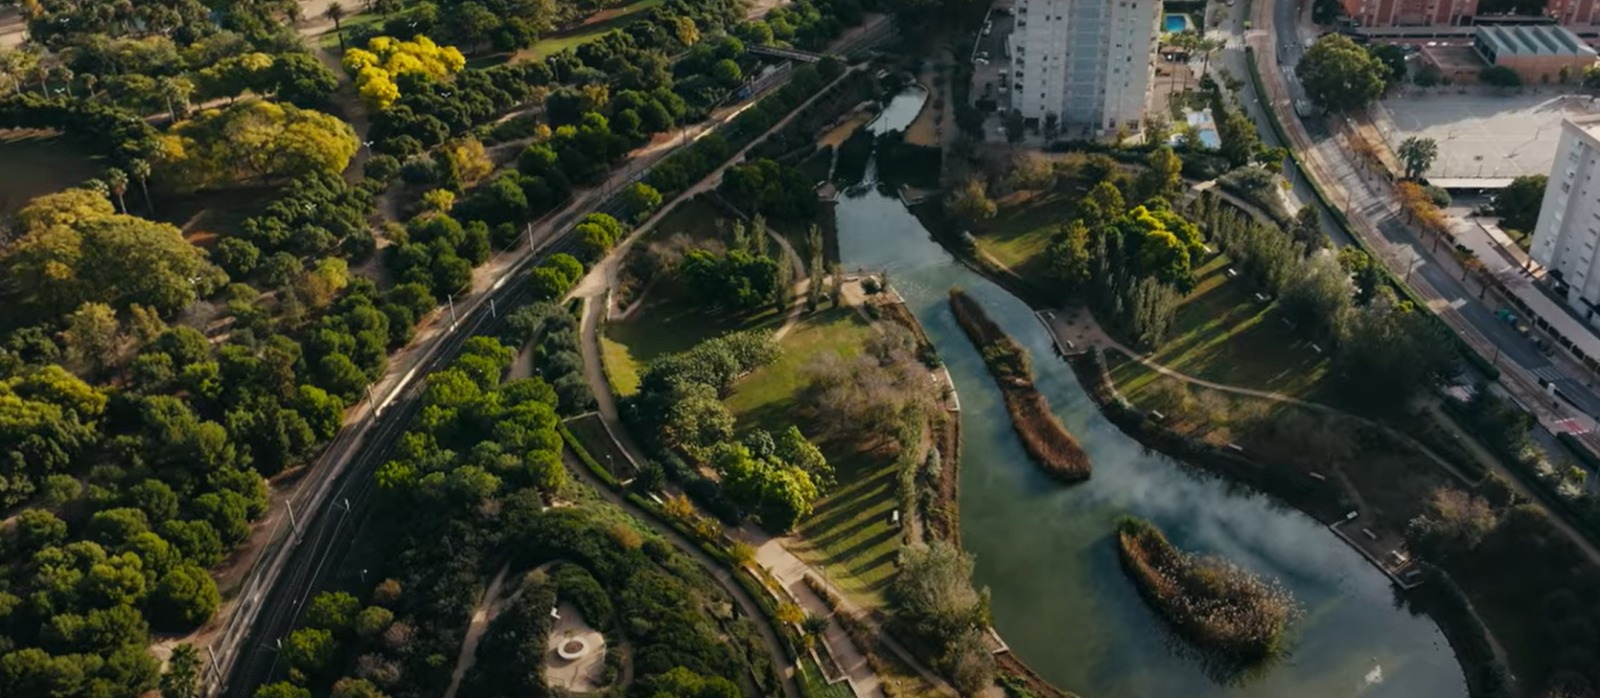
(73, 252)
(1338, 74)
(256, 140)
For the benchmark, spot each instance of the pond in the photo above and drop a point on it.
(1045, 551)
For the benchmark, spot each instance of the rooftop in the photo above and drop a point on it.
(1533, 40)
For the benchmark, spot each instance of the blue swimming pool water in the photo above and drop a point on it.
(1176, 23)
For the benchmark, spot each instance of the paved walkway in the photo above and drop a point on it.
(718, 572)
(791, 572)
(1321, 161)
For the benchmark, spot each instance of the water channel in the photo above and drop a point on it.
(1045, 550)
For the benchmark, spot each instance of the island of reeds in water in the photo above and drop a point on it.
(1230, 615)
(1047, 441)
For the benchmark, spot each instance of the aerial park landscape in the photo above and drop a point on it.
(824, 348)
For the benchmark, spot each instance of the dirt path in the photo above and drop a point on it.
(714, 569)
(488, 607)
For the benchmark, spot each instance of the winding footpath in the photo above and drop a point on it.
(595, 290)
(718, 572)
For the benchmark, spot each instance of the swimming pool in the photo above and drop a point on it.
(1175, 22)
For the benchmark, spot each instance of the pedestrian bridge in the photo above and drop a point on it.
(789, 53)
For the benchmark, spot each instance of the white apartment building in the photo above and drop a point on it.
(1568, 231)
(1087, 62)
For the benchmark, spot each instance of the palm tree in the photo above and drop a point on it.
(97, 186)
(176, 91)
(140, 169)
(65, 75)
(335, 13)
(117, 180)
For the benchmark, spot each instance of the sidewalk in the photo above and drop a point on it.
(1323, 161)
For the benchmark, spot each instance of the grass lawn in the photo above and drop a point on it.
(848, 535)
(1223, 334)
(621, 371)
(1019, 234)
(817, 687)
(669, 323)
(42, 163)
(599, 25)
(767, 397)
(330, 39)
(591, 432)
(695, 219)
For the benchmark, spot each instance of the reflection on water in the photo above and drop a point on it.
(1059, 597)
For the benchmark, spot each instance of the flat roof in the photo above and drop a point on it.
(1470, 182)
(1533, 40)
(1477, 239)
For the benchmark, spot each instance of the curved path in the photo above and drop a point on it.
(718, 572)
(1090, 334)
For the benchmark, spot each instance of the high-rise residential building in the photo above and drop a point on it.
(1085, 62)
(1568, 230)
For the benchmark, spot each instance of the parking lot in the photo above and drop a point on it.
(1482, 133)
(990, 61)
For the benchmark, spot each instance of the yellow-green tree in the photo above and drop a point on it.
(255, 140)
(469, 161)
(385, 58)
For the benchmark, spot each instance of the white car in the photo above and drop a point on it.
(1004, 89)
(980, 60)
(987, 31)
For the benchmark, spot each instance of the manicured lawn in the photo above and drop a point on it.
(591, 432)
(767, 398)
(330, 39)
(605, 23)
(669, 323)
(848, 535)
(695, 219)
(817, 687)
(1020, 233)
(41, 164)
(1223, 334)
(620, 368)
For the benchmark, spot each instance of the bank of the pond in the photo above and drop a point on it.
(1057, 591)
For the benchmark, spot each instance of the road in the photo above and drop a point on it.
(284, 569)
(1373, 215)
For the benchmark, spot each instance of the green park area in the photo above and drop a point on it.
(848, 534)
(592, 29)
(1020, 233)
(668, 322)
(1223, 333)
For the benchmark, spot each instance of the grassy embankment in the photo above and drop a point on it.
(1220, 331)
(1215, 605)
(1043, 435)
(848, 535)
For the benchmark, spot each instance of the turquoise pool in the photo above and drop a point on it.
(1176, 23)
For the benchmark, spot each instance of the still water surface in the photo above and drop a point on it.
(1045, 550)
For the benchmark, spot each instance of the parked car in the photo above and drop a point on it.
(980, 60)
